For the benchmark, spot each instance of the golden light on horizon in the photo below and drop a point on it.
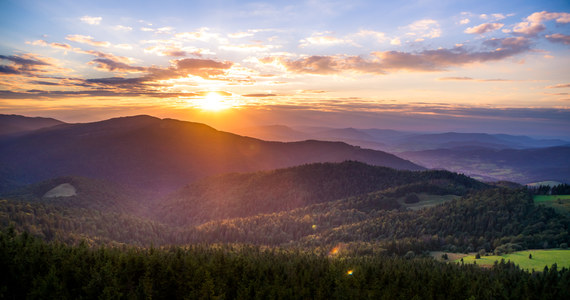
(214, 101)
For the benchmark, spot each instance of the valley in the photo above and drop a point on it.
(329, 200)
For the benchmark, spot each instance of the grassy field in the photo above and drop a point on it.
(550, 183)
(540, 259)
(561, 203)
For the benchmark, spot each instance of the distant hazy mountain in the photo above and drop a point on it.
(279, 133)
(519, 165)
(10, 124)
(450, 140)
(398, 141)
(160, 155)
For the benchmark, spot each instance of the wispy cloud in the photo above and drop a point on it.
(323, 39)
(85, 39)
(473, 79)
(91, 20)
(484, 28)
(559, 38)
(426, 28)
(122, 28)
(559, 86)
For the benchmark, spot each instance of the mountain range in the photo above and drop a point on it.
(160, 155)
(489, 157)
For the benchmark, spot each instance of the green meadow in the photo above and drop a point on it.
(561, 203)
(539, 260)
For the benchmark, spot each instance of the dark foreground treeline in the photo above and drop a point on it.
(34, 269)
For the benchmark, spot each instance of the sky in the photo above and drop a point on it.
(464, 66)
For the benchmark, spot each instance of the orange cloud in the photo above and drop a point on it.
(85, 39)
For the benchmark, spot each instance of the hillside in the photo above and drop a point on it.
(15, 124)
(371, 217)
(160, 156)
(242, 195)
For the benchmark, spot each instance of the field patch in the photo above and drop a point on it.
(539, 260)
(560, 203)
(62, 190)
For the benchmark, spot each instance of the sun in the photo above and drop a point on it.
(213, 101)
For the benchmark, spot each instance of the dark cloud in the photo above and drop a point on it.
(22, 64)
(107, 64)
(22, 61)
(8, 70)
(44, 82)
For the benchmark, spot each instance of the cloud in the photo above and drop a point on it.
(23, 64)
(85, 39)
(426, 28)
(464, 21)
(484, 28)
(122, 28)
(559, 38)
(259, 95)
(455, 78)
(205, 68)
(9, 70)
(203, 34)
(471, 79)
(91, 20)
(378, 36)
(533, 23)
(323, 39)
(559, 86)
(424, 61)
(257, 47)
(106, 64)
(440, 59)
(395, 41)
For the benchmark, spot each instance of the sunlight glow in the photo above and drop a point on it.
(213, 101)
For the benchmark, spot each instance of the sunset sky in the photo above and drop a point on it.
(468, 66)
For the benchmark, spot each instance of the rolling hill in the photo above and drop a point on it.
(160, 156)
(242, 195)
(15, 124)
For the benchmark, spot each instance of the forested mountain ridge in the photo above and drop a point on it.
(160, 155)
(316, 206)
(242, 195)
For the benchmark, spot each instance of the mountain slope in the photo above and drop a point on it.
(242, 195)
(11, 124)
(160, 155)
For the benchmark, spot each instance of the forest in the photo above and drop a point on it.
(326, 230)
(34, 269)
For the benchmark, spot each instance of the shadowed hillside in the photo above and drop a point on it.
(13, 124)
(160, 155)
(241, 195)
